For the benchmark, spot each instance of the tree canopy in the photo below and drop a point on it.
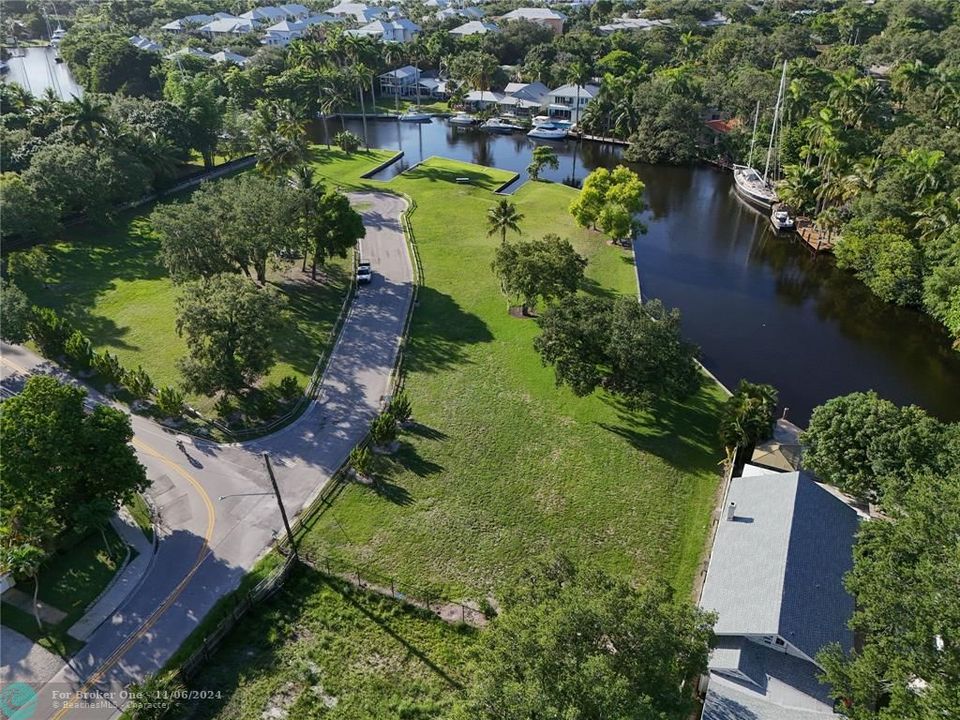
(538, 269)
(575, 642)
(630, 349)
(609, 201)
(747, 417)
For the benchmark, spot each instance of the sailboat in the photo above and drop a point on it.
(753, 187)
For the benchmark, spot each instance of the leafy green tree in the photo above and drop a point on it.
(331, 228)
(869, 447)
(748, 417)
(104, 61)
(49, 331)
(170, 401)
(87, 119)
(79, 350)
(609, 201)
(401, 410)
(575, 642)
(138, 382)
(228, 323)
(27, 215)
(543, 156)
(538, 270)
(347, 141)
(502, 217)
(201, 103)
(15, 313)
(908, 667)
(383, 430)
(628, 349)
(361, 460)
(108, 367)
(25, 559)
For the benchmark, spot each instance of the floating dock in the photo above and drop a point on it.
(813, 237)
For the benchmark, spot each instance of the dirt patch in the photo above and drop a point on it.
(278, 705)
(517, 312)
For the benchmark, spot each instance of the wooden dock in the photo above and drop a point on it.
(813, 237)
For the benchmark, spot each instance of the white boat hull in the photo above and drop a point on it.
(542, 133)
(751, 188)
(415, 117)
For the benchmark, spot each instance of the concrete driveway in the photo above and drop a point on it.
(207, 544)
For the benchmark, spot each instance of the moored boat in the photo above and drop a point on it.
(499, 125)
(462, 118)
(781, 219)
(752, 187)
(548, 131)
(413, 115)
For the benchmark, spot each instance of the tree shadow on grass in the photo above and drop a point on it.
(592, 287)
(683, 433)
(440, 331)
(434, 173)
(425, 431)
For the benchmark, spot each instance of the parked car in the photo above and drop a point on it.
(364, 273)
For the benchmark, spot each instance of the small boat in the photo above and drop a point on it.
(548, 131)
(462, 118)
(547, 120)
(753, 188)
(781, 220)
(499, 125)
(57, 36)
(413, 115)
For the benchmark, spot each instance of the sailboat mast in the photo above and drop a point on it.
(776, 118)
(753, 137)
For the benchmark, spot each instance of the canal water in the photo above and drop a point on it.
(759, 305)
(35, 69)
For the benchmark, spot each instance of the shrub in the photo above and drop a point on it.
(289, 388)
(266, 406)
(108, 367)
(400, 408)
(79, 350)
(361, 460)
(383, 430)
(49, 331)
(139, 383)
(347, 141)
(170, 401)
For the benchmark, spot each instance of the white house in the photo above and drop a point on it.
(563, 101)
(525, 98)
(474, 27)
(399, 30)
(228, 26)
(225, 56)
(190, 22)
(467, 13)
(541, 16)
(265, 15)
(283, 33)
(145, 43)
(357, 11)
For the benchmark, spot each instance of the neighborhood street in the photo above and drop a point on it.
(207, 544)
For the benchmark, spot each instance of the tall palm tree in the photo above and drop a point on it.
(277, 154)
(502, 217)
(86, 118)
(393, 55)
(926, 170)
(577, 74)
(362, 75)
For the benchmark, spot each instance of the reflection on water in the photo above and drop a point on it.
(759, 305)
(35, 69)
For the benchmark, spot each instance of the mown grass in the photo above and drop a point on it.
(109, 283)
(69, 581)
(321, 648)
(502, 464)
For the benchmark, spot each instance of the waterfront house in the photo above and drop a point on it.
(399, 30)
(474, 27)
(525, 98)
(541, 16)
(402, 81)
(284, 33)
(434, 88)
(563, 101)
(775, 579)
(225, 56)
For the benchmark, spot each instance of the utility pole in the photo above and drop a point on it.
(283, 512)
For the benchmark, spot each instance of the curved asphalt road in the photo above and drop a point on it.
(207, 545)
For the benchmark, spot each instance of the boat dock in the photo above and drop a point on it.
(815, 239)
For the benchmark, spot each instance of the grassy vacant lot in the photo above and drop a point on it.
(70, 581)
(110, 284)
(502, 464)
(323, 649)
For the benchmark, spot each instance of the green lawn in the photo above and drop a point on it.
(504, 465)
(69, 581)
(111, 285)
(320, 648)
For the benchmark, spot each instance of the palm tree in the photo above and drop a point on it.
(277, 154)
(799, 186)
(393, 55)
(747, 417)
(313, 56)
(502, 217)
(926, 170)
(361, 75)
(86, 117)
(937, 214)
(577, 74)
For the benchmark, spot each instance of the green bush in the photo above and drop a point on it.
(383, 431)
(289, 388)
(347, 141)
(400, 408)
(79, 350)
(108, 367)
(169, 401)
(49, 331)
(361, 460)
(138, 382)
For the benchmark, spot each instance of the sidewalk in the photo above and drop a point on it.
(123, 584)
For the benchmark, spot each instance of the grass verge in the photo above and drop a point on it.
(141, 514)
(501, 463)
(320, 648)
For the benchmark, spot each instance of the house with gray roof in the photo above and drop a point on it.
(474, 27)
(541, 16)
(775, 580)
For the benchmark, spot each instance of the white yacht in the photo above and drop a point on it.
(414, 115)
(548, 131)
(781, 220)
(462, 118)
(499, 125)
(754, 187)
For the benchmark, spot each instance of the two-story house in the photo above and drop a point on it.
(567, 102)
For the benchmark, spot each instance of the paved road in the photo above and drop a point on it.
(207, 544)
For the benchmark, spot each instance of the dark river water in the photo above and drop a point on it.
(759, 305)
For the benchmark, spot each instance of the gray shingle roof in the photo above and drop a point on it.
(777, 568)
